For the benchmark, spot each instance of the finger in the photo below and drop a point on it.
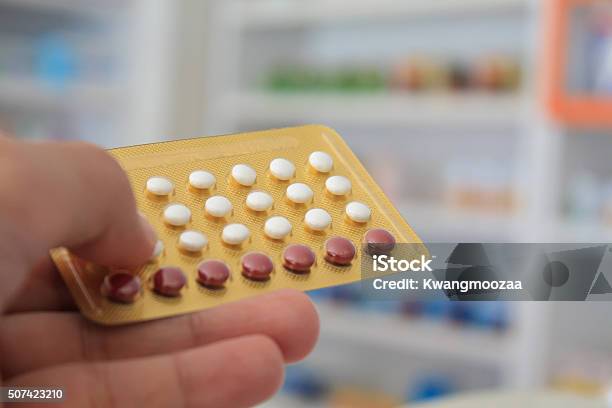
(74, 195)
(43, 289)
(66, 194)
(288, 317)
(233, 373)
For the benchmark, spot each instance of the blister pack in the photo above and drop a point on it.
(240, 215)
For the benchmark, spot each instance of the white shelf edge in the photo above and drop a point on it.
(396, 334)
(430, 219)
(566, 230)
(74, 7)
(287, 14)
(33, 94)
(384, 108)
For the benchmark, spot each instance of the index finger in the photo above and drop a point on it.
(69, 194)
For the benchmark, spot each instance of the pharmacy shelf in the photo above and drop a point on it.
(437, 222)
(32, 94)
(284, 400)
(387, 109)
(581, 231)
(91, 8)
(270, 14)
(395, 334)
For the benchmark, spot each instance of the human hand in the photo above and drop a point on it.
(75, 195)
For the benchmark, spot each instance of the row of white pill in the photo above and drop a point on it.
(194, 241)
(245, 175)
(318, 219)
(299, 193)
(275, 227)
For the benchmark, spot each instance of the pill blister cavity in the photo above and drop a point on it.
(159, 186)
(157, 250)
(121, 287)
(338, 185)
(259, 201)
(213, 273)
(235, 234)
(317, 219)
(244, 175)
(339, 251)
(298, 258)
(218, 206)
(378, 241)
(321, 162)
(202, 180)
(299, 193)
(277, 227)
(257, 266)
(192, 241)
(358, 211)
(282, 169)
(177, 215)
(169, 280)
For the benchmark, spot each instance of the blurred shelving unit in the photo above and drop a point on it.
(438, 340)
(79, 7)
(247, 39)
(461, 225)
(28, 94)
(243, 41)
(75, 69)
(376, 109)
(269, 14)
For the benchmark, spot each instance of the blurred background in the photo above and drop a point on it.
(483, 120)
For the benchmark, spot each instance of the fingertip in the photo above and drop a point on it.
(248, 370)
(150, 237)
(121, 249)
(269, 357)
(301, 328)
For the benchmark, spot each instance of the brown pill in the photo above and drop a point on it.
(378, 241)
(169, 281)
(213, 273)
(298, 258)
(121, 287)
(339, 251)
(257, 266)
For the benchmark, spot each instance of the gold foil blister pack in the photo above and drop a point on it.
(312, 255)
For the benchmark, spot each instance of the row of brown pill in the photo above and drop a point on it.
(298, 258)
(125, 287)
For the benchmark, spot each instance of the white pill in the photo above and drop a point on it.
(177, 215)
(277, 227)
(159, 248)
(202, 179)
(317, 219)
(259, 201)
(192, 241)
(244, 174)
(235, 234)
(338, 185)
(299, 193)
(160, 186)
(321, 161)
(358, 211)
(218, 206)
(282, 169)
